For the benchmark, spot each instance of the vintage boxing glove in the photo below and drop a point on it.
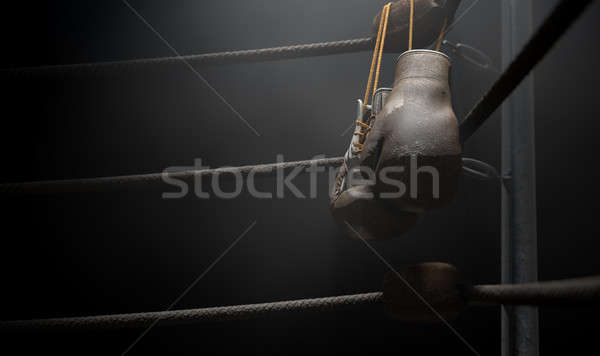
(414, 143)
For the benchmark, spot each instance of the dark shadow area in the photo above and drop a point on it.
(133, 251)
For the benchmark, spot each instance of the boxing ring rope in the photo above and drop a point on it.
(542, 41)
(174, 317)
(561, 292)
(555, 25)
(197, 60)
(124, 182)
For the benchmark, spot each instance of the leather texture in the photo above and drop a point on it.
(417, 131)
(415, 128)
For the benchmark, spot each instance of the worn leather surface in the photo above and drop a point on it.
(362, 216)
(415, 129)
(418, 131)
(440, 284)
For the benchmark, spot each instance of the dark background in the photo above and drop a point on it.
(85, 254)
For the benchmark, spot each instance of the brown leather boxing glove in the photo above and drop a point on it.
(414, 144)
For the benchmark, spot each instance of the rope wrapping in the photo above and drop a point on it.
(561, 18)
(574, 291)
(104, 184)
(563, 292)
(232, 57)
(480, 170)
(215, 314)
